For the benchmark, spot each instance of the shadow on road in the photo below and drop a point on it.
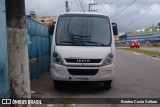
(81, 86)
(44, 88)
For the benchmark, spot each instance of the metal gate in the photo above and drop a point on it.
(39, 47)
(4, 83)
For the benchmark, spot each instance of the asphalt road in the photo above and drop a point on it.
(137, 76)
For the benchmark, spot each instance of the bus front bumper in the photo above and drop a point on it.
(62, 73)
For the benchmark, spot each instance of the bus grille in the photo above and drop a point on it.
(83, 60)
(83, 71)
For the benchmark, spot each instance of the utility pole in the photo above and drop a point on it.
(17, 51)
(66, 4)
(90, 7)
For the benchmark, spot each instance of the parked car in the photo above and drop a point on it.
(135, 44)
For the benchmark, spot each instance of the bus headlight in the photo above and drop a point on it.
(57, 59)
(108, 60)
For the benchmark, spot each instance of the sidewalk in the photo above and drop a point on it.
(42, 87)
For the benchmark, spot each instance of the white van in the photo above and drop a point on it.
(83, 49)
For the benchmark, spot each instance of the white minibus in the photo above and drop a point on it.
(83, 49)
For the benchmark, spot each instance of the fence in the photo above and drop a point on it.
(4, 83)
(39, 47)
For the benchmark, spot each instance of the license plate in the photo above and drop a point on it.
(82, 78)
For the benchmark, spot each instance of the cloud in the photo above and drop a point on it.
(108, 7)
(45, 7)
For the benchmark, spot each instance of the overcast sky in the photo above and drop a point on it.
(128, 14)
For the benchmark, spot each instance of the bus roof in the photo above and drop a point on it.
(83, 13)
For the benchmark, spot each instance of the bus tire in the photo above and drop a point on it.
(57, 84)
(107, 85)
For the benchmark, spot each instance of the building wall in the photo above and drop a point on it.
(48, 20)
(144, 38)
(4, 82)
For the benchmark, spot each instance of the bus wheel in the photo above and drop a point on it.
(107, 85)
(57, 84)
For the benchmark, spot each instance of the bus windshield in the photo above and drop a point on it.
(83, 31)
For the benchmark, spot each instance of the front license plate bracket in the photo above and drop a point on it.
(81, 78)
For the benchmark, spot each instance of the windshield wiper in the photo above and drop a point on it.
(80, 35)
(71, 42)
(93, 42)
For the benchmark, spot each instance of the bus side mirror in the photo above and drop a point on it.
(115, 29)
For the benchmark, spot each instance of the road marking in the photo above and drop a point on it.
(136, 53)
(146, 55)
(156, 58)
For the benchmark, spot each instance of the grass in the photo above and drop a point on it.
(146, 52)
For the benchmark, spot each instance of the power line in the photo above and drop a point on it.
(78, 5)
(46, 5)
(139, 17)
(144, 5)
(81, 6)
(96, 4)
(124, 8)
(137, 12)
(108, 2)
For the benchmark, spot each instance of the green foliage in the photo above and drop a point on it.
(147, 52)
(155, 44)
